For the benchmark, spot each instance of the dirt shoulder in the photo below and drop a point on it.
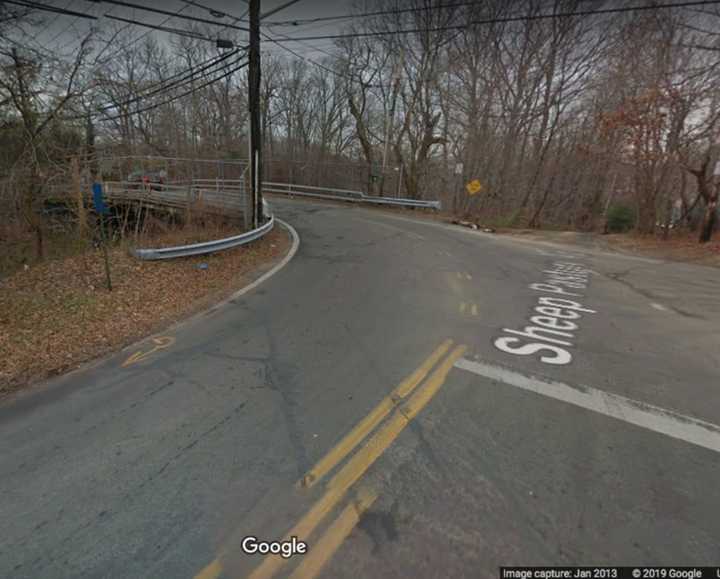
(58, 314)
(680, 246)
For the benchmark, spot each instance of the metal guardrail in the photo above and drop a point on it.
(437, 205)
(215, 193)
(208, 246)
(345, 195)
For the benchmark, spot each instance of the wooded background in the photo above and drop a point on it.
(566, 118)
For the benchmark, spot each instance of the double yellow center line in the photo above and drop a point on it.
(367, 424)
(407, 399)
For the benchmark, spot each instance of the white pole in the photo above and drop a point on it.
(257, 188)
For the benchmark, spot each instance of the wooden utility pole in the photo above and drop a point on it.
(254, 106)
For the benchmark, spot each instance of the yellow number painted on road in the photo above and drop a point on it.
(160, 342)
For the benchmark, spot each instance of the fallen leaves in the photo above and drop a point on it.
(679, 246)
(56, 315)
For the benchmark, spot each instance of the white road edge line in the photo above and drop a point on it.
(634, 412)
(276, 268)
(221, 304)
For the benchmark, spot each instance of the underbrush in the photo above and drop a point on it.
(62, 238)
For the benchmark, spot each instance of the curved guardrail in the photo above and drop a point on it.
(208, 246)
(345, 195)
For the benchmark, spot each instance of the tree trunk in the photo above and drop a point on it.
(40, 245)
(77, 185)
(709, 220)
(646, 214)
(668, 217)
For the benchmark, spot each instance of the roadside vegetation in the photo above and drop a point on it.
(563, 120)
(58, 314)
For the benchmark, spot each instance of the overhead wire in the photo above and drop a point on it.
(165, 13)
(177, 80)
(49, 8)
(182, 95)
(313, 62)
(217, 13)
(503, 20)
(54, 19)
(302, 21)
(169, 29)
(214, 12)
(135, 40)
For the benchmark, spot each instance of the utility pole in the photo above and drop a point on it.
(254, 106)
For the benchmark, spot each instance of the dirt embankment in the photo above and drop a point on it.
(57, 314)
(679, 246)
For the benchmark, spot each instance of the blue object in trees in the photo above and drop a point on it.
(100, 206)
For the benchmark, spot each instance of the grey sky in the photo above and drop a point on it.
(61, 33)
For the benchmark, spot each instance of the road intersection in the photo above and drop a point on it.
(352, 402)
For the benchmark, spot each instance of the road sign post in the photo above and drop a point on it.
(101, 209)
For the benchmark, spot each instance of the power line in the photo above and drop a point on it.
(181, 95)
(177, 80)
(71, 25)
(301, 57)
(277, 9)
(33, 36)
(212, 11)
(49, 8)
(169, 29)
(54, 19)
(306, 45)
(301, 21)
(527, 18)
(313, 62)
(167, 13)
(135, 40)
(216, 13)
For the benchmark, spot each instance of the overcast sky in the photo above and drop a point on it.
(60, 33)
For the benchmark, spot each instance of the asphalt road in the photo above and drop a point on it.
(482, 458)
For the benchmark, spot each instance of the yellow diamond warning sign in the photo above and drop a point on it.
(474, 187)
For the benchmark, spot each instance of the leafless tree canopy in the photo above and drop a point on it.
(560, 118)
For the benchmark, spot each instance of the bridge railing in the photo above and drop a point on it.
(212, 194)
(292, 190)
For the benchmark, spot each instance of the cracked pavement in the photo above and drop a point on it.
(151, 470)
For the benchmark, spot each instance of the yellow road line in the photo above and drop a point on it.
(367, 424)
(323, 550)
(361, 461)
(379, 442)
(212, 571)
